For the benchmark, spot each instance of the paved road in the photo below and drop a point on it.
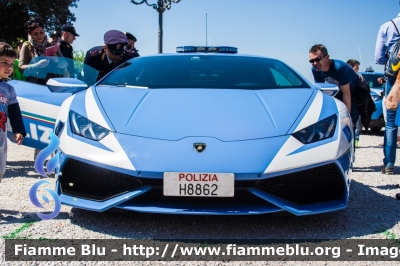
(373, 212)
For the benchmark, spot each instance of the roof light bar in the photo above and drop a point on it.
(207, 49)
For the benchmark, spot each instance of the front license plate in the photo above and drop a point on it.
(199, 184)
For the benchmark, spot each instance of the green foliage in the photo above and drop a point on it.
(79, 58)
(390, 235)
(14, 14)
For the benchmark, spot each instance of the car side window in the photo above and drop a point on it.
(371, 84)
(372, 80)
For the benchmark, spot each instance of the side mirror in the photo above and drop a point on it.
(327, 88)
(70, 85)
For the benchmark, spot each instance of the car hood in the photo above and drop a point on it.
(228, 115)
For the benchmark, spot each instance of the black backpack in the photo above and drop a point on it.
(365, 105)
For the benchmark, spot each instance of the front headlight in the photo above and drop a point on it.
(376, 97)
(82, 126)
(321, 130)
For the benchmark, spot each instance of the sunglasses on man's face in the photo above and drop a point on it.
(315, 59)
(116, 52)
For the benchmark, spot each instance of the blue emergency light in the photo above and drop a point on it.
(206, 49)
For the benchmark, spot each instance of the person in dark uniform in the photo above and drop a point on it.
(112, 54)
(68, 35)
(131, 44)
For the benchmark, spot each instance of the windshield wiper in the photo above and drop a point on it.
(117, 85)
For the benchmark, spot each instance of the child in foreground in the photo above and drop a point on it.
(9, 107)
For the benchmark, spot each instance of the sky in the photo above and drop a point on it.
(281, 29)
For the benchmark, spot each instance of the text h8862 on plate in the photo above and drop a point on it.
(199, 184)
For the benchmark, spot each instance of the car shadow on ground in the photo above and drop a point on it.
(375, 168)
(388, 187)
(367, 169)
(13, 216)
(373, 133)
(368, 212)
(21, 168)
(8, 216)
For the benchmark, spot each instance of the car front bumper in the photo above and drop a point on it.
(314, 189)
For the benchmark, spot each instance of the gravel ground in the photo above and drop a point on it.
(373, 213)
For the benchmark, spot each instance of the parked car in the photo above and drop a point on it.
(377, 119)
(202, 131)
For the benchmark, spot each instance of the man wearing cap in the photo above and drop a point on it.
(131, 44)
(68, 35)
(112, 54)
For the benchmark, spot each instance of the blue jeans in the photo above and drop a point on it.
(390, 137)
(354, 117)
(356, 131)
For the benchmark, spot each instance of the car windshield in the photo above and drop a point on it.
(43, 68)
(372, 80)
(205, 71)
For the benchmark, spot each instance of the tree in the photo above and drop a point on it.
(14, 14)
(79, 58)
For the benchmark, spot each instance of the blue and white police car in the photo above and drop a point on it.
(205, 130)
